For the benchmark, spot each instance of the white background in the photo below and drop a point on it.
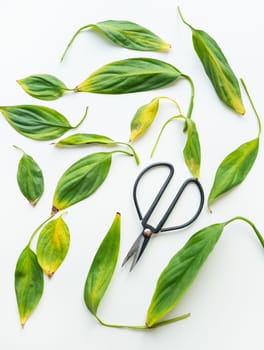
(226, 300)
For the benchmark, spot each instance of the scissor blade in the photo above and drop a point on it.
(133, 249)
(141, 247)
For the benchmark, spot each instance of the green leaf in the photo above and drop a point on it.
(29, 283)
(87, 139)
(143, 118)
(84, 139)
(181, 271)
(217, 69)
(37, 122)
(125, 34)
(131, 36)
(192, 151)
(43, 86)
(130, 75)
(81, 179)
(103, 266)
(234, 169)
(30, 178)
(53, 245)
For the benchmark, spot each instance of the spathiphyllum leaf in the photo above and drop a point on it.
(81, 179)
(84, 139)
(53, 245)
(37, 122)
(103, 266)
(30, 178)
(143, 118)
(180, 272)
(43, 86)
(217, 69)
(130, 75)
(125, 34)
(192, 151)
(29, 283)
(234, 169)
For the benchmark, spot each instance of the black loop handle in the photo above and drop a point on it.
(161, 191)
(159, 227)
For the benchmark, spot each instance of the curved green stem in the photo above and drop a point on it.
(19, 149)
(172, 320)
(119, 325)
(258, 234)
(37, 229)
(132, 149)
(183, 19)
(190, 109)
(156, 325)
(122, 151)
(161, 131)
(253, 106)
(173, 101)
(82, 120)
(73, 38)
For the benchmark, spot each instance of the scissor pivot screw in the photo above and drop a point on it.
(147, 232)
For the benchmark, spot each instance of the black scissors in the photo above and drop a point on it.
(141, 242)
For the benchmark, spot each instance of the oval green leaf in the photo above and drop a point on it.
(131, 36)
(143, 118)
(53, 245)
(192, 149)
(125, 34)
(103, 266)
(234, 169)
(29, 283)
(130, 75)
(217, 68)
(80, 139)
(81, 179)
(30, 178)
(43, 86)
(181, 271)
(37, 122)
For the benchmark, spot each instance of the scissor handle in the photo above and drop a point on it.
(161, 191)
(159, 227)
(194, 181)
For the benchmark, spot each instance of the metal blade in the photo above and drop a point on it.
(141, 247)
(133, 249)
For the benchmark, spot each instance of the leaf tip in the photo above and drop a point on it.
(50, 274)
(165, 46)
(34, 202)
(54, 210)
(23, 321)
(209, 208)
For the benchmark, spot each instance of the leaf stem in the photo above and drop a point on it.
(172, 100)
(172, 320)
(144, 327)
(19, 149)
(73, 38)
(132, 149)
(183, 19)
(119, 325)
(122, 151)
(161, 131)
(37, 229)
(253, 106)
(190, 109)
(82, 120)
(258, 234)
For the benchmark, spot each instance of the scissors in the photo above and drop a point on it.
(148, 230)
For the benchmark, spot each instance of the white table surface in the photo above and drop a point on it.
(226, 300)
